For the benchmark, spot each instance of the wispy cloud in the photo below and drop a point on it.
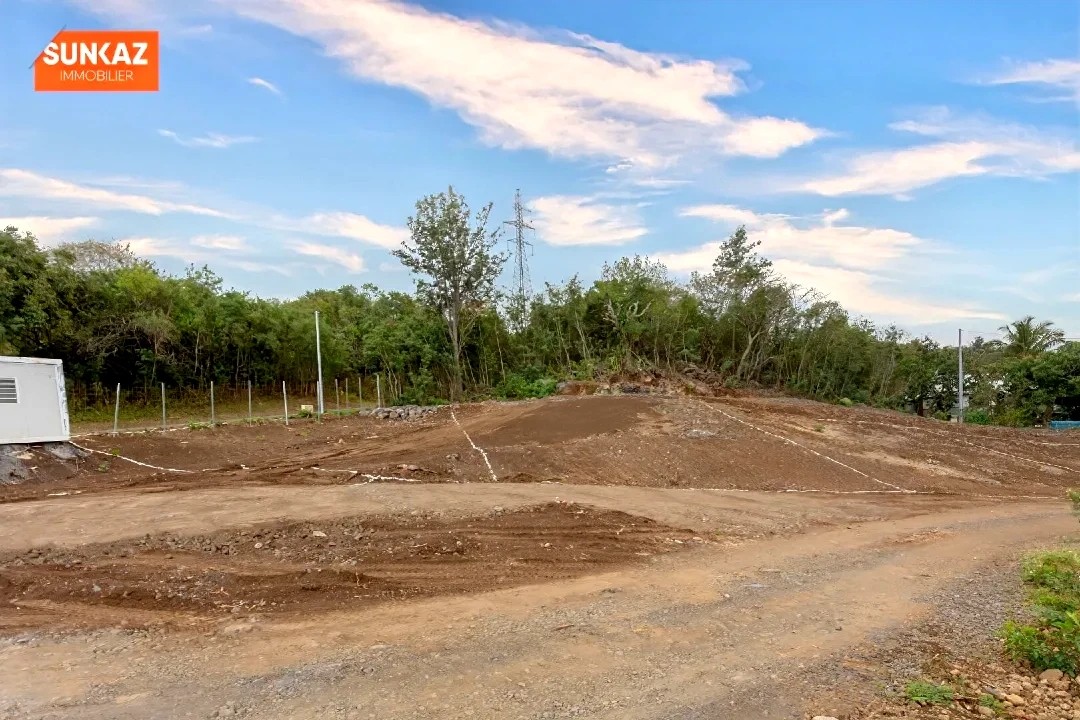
(567, 220)
(100, 196)
(347, 225)
(266, 85)
(209, 140)
(593, 99)
(197, 253)
(228, 243)
(50, 231)
(15, 182)
(818, 239)
(343, 258)
(876, 295)
(859, 267)
(1061, 76)
(966, 146)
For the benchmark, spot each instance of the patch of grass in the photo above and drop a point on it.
(193, 425)
(819, 428)
(1052, 639)
(988, 700)
(925, 692)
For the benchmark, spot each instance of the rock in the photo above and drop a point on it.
(1015, 699)
(1051, 676)
(824, 717)
(985, 711)
(64, 451)
(699, 433)
(318, 533)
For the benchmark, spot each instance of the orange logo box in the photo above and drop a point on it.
(99, 61)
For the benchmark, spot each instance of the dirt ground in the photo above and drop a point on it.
(595, 556)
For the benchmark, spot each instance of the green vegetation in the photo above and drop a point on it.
(924, 692)
(1052, 638)
(988, 700)
(115, 318)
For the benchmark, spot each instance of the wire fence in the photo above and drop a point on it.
(117, 409)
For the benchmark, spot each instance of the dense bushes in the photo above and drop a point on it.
(115, 318)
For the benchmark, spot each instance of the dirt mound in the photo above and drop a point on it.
(313, 566)
(738, 442)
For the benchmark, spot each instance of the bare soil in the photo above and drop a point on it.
(311, 567)
(640, 557)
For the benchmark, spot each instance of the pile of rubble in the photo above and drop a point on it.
(404, 412)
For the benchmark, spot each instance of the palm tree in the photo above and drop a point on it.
(1025, 337)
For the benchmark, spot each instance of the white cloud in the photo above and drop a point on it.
(210, 140)
(566, 220)
(343, 258)
(24, 183)
(568, 94)
(265, 84)
(967, 146)
(50, 231)
(1056, 74)
(228, 243)
(258, 267)
(151, 247)
(822, 240)
(853, 265)
(348, 225)
(872, 294)
(200, 250)
(895, 171)
(722, 213)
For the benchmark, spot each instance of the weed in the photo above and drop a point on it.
(988, 700)
(305, 414)
(922, 691)
(1052, 639)
(846, 402)
(819, 428)
(103, 466)
(193, 425)
(115, 452)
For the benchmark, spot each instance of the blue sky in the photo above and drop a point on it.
(916, 161)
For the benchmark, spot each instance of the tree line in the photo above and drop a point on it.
(113, 317)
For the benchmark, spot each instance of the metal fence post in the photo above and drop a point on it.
(361, 390)
(346, 394)
(213, 421)
(250, 418)
(164, 424)
(337, 394)
(285, 397)
(116, 412)
(378, 389)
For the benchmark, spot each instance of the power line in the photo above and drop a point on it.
(522, 289)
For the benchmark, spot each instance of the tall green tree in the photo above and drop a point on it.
(455, 265)
(1026, 337)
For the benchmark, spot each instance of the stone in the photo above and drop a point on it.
(318, 533)
(1051, 675)
(985, 711)
(1015, 699)
(824, 717)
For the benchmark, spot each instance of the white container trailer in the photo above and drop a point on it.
(33, 401)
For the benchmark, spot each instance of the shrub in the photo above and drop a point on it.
(518, 387)
(846, 402)
(978, 416)
(1052, 639)
(921, 691)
